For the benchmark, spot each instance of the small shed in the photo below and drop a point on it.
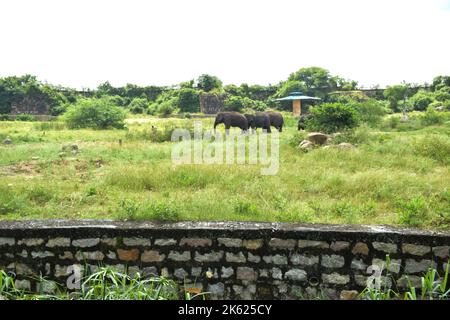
(297, 97)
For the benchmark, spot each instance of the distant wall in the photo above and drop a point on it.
(241, 260)
(211, 103)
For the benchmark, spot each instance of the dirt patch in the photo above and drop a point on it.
(28, 168)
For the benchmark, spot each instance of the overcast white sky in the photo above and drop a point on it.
(81, 43)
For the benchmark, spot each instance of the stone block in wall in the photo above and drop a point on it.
(277, 243)
(296, 275)
(86, 243)
(304, 260)
(358, 264)
(41, 254)
(179, 256)
(165, 242)
(313, 244)
(332, 261)
(31, 242)
(413, 266)
(213, 256)
(339, 245)
(246, 273)
(277, 259)
(360, 248)
(335, 278)
(253, 258)
(135, 241)
(226, 272)
(195, 242)
(385, 247)
(235, 257)
(5, 241)
(230, 242)
(415, 249)
(441, 251)
(152, 256)
(253, 244)
(394, 265)
(128, 255)
(58, 242)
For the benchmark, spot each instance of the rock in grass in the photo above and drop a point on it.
(345, 146)
(306, 145)
(7, 141)
(34, 158)
(317, 138)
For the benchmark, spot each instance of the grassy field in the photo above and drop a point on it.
(395, 176)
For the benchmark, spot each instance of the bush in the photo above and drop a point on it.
(234, 103)
(138, 105)
(370, 111)
(5, 117)
(435, 147)
(95, 113)
(332, 117)
(188, 100)
(431, 117)
(421, 100)
(25, 117)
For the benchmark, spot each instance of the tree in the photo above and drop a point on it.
(208, 83)
(138, 105)
(188, 100)
(316, 81)
(394, 94)
(440, 82)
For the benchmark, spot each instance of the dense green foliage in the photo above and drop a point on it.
(95, 113)
(332, 117)
(105, 284)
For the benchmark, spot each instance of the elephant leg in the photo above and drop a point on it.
(281, 129)
(227, 130)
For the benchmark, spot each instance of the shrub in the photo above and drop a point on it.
(25, 117)
(188, 100)
(234, 103)
(138, 105)
(421, 100)
(412, 211)
(94, 113)
(435, 147)
(370, 111)
(432, 117)
(332, 117)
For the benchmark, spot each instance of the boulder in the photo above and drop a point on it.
(317, 138)
(7, 141)
(345, 145)
(440, 108)
(306, 145)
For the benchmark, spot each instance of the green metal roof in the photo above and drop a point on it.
(297, 95)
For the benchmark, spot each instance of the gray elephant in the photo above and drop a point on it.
(258, 120)
(302, 121)
(276, 120)
(231, 119)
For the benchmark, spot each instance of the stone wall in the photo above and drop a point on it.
(241, 260)
(212, 103)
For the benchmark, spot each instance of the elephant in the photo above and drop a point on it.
(258, 120)
(231, 119)
(276, 120)
(302, 121)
